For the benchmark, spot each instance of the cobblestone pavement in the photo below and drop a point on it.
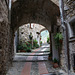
(18, 66)
(34, 69)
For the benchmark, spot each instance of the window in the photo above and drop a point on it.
(22, 32)
(73, 28)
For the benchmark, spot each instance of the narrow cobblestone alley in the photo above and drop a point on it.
(37, 37)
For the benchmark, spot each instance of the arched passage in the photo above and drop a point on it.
(30, 11)
(43, 30)
(23, 32)
(7, 31)
(41, 12)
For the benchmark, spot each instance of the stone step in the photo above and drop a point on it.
(29, 59)
(41, 51)
(30, 54)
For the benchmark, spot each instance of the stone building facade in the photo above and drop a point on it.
(25, 30)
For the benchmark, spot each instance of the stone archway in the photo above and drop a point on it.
(43, 29)
(45, 14)
(41, 12)
(22, 33)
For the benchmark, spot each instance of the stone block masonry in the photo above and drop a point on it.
(5, 39)
(69, 12)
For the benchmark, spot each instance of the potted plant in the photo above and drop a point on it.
(58, 43)
(55, 63)
(35, 43)
(58, 39)
(19, 48)
(28, 49)
(40, 43)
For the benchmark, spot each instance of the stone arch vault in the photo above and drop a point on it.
(42, 12)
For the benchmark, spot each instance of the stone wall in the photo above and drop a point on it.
(24, 32)
(69, 16)
(69, 7)
(5, 39)
(72, 53)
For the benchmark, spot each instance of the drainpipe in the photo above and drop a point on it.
(9, 12)
(64, 26)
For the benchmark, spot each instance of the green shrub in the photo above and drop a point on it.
(41, 43)
(35, 41)
(19, 47)
(35, 44)
(27, 46)
(28, 49)
(55, 60)
(58, 40)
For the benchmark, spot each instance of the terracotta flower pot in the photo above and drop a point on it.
(49, 58)
(22, 51)
(61, 41)
(55, 65)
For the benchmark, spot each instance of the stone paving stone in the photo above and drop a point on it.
(16, 68)
(50, 68)
(42, 68)
(34, 69)
(27, 68)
